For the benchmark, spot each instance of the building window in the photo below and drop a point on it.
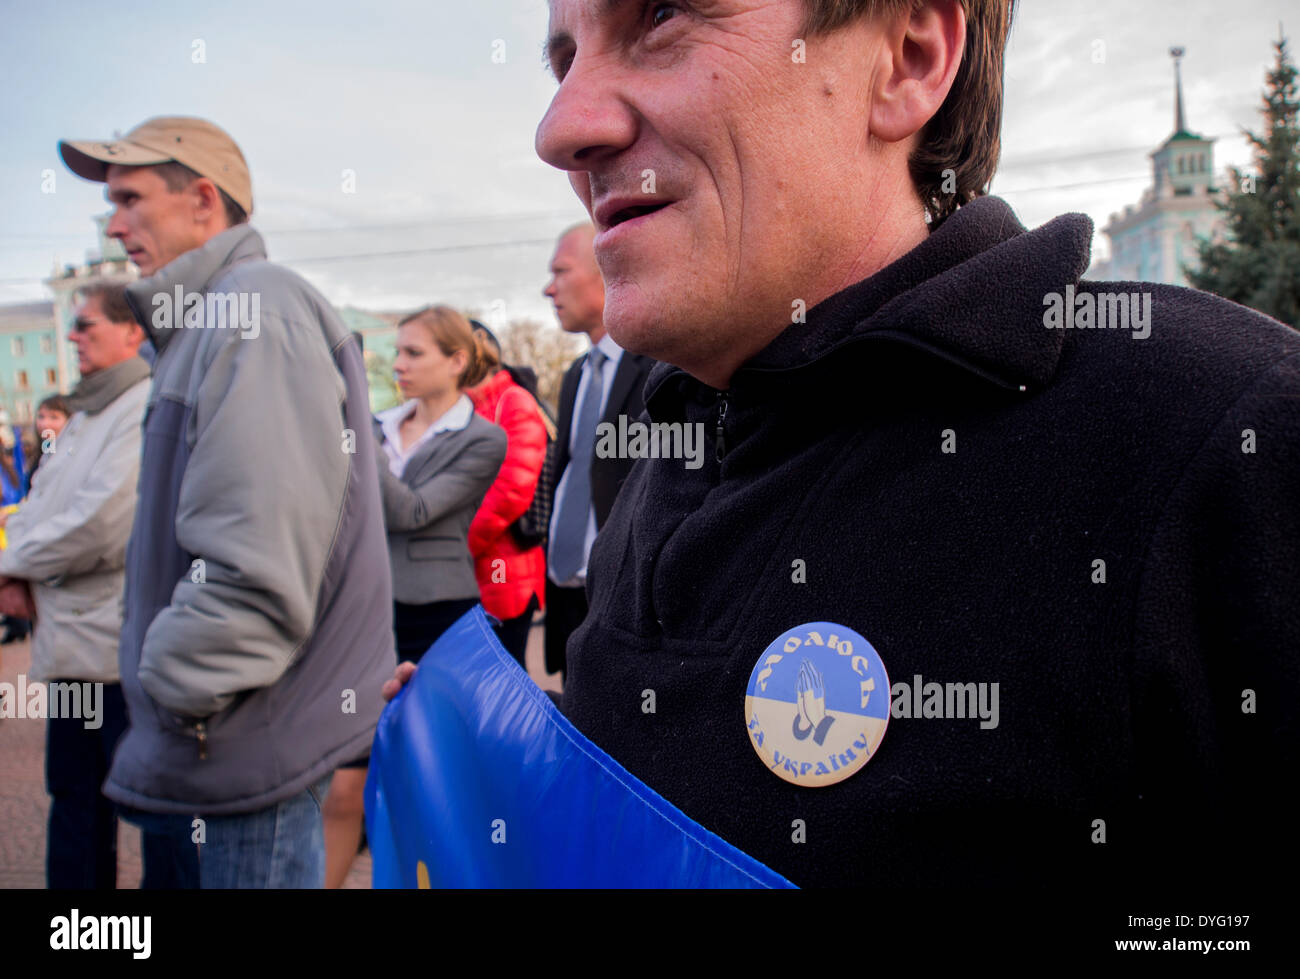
(22, 381)
(23, 411)
(47, 344)
(50, 379)
(17, 346)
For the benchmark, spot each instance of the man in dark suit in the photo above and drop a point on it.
(599, 386)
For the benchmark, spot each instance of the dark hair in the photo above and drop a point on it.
(492, 342)
(55, 402)
(451, 332)
(112, 300)
(964, 136)
(177, 176)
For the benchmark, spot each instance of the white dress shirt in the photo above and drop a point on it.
(454, 418)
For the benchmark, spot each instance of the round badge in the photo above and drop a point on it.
(817, 704)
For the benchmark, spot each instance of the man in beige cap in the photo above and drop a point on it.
(176, 182)
(258, 620)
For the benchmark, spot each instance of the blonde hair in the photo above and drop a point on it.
(451, 332)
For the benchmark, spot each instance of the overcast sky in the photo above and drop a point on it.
(440, 136)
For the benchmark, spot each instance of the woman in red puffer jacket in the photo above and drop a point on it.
(511, 578)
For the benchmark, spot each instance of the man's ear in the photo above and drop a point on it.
(136, 335)
(207, 201)
(919, 61)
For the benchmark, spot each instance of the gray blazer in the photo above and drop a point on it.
(429, 509)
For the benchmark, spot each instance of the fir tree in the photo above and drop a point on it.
(1258, 265)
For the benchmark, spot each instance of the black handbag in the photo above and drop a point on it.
(534, 524)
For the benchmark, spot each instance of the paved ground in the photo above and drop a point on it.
(24, 804)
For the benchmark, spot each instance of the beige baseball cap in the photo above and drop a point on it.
(206, 149)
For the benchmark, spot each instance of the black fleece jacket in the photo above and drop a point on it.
(1161, 701)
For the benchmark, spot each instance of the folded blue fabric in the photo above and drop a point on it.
(476, 780)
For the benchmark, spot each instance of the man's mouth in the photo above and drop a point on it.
(613, 212)
(628, 213)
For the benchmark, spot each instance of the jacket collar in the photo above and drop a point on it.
(971, 294)
(191, 272)
(486, 394)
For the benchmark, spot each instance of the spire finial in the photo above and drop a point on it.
(1177, 55)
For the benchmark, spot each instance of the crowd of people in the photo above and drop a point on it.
(906, 470)
(132, 542)
(16, 447)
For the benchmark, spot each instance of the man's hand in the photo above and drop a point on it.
(401, 676)
(16, 599)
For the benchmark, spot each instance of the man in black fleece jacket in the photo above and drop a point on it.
(1073, 547)
(1121, 697)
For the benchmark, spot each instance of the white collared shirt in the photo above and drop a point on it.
(614, 353)
(453, 419)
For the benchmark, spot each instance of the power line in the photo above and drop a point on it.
(387, 226)
(417, 251)
(361, 256)
(530, 242)
(448, 223)
(1017, 162)
(1012, 163)
(1082, 183)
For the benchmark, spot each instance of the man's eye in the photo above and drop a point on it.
(661, 13)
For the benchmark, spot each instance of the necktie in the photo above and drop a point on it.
(568, 541)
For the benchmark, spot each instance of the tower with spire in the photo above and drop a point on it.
(1184, 163)
(1153, 240)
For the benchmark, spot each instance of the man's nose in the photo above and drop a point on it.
(588, 118)
(116, 227)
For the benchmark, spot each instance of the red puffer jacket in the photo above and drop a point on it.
(508, 575)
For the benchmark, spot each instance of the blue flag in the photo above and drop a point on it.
(476, 780)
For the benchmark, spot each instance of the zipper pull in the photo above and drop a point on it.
(720, 435)
(201, 730)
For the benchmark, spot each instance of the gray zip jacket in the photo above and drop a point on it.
(258, 611)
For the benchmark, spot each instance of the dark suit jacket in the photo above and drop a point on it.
(626, 397)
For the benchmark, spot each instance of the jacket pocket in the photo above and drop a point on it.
(436, 549)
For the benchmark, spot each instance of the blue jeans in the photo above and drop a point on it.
(282, 846)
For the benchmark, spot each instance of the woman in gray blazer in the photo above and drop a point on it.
(438, 460)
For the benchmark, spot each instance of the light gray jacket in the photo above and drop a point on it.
(258, 623)
(68, 539)
(428, 511)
